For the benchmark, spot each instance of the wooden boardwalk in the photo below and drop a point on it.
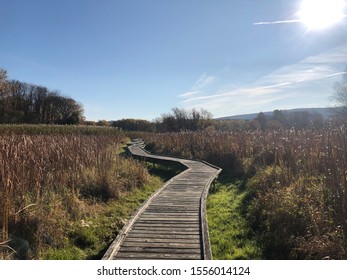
(172, 223)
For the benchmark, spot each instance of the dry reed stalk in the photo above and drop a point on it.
(33, 166)
(298, 154)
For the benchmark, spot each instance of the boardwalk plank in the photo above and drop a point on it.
(156, 256)
(163, 240)
(162, 245)
(164, 235)
(160, 250)
(167, 231)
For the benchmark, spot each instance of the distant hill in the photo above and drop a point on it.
(325, 112)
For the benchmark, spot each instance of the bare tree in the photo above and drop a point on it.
(4, 93)
(340, 95)
(184, 120)
(3, 79)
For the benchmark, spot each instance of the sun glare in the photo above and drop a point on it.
(319, 14)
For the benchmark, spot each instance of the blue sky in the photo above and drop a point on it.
(139, 59)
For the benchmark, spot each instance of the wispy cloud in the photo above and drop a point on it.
(336, 55)
(189, 93)
(277, 22)
(335, 74)
(309, 81)
(203, 82)
(283, 21)
(200, 86)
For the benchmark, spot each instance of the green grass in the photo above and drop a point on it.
(90, 238)
(230, 235)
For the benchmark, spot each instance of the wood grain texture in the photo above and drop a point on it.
(172, 223)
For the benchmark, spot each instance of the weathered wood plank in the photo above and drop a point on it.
(166, 230)
(164, 233)
(160, 250)
(156, 256)
(149, 240)
(164, 236)
(170, 219)
(162, 245)
(159, 225)
(172, 214)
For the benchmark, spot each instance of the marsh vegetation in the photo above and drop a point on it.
(65, 191)
(293, 189)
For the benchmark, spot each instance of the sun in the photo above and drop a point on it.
(320, 14)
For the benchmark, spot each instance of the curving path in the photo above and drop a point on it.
(171, 224)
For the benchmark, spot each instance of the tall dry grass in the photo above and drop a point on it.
(44, 179)
(296, 180)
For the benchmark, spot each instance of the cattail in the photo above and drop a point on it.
(35, 165)
(312, 162)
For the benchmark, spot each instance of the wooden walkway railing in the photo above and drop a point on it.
(172, 223)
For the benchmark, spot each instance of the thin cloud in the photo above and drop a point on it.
(200, 86)
(335, 74)
(242, 92)
(277, 22)
(336, 55)
(283, 21)
(189, 93)
(203, 82)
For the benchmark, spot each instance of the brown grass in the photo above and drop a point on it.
(48, 180)
(296, 182)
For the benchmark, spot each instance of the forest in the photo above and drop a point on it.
(21, 102)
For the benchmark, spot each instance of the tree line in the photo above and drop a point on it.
(180, 120)
(22, 102)
(177, 121)
(282, 119)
